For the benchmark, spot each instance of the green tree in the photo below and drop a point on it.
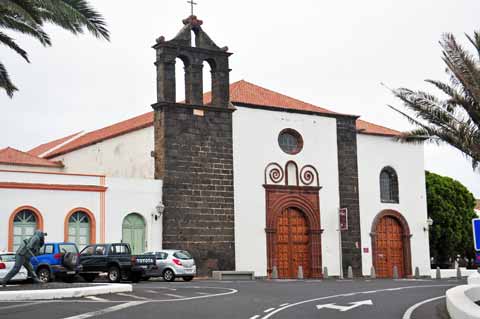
(454, 119)
(451, 206)
(29, 17)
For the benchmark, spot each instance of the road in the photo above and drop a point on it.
(262, 299)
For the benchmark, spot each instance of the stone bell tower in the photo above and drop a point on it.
(193, 150)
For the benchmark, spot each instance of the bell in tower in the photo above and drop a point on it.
(193, 150)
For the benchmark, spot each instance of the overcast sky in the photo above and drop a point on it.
(333, 54)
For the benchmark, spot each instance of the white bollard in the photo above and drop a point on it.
(300, 272)
(350, 272)
(417, 273)
(438, 274)
(395, 272)
(274, 272)
(325, 273)
(373, 275)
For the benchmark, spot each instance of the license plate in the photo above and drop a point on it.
(144, 261)
(71, 272)
(189, 271)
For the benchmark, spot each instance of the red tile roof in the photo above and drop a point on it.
(374, 129)
(11, 156)
(40, 149)
(241, 92)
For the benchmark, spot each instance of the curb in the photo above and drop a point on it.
(460, 302)
(49, 294)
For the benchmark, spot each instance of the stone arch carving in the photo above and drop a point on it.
(406, 235)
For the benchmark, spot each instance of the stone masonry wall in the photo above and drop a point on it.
(349, 198)
(195, 160)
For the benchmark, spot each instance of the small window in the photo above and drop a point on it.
(161, 255)
(88, 251)
(388, 185)
(66, 248)
(290, 141)
(47, 249)
(100, 250)
(184, 255)
(119, 250)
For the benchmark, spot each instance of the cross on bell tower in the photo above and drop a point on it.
(192, 3)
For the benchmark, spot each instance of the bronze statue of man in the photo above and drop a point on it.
(28, 249)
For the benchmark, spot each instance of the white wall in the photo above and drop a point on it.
(255, 145)
(127, 155)
(53, 205)
(123, 196)
(374, 153)
(141, 196)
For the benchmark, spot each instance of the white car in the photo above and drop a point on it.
(7, 261)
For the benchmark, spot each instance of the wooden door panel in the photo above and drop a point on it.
(292, 244)
(389, 247)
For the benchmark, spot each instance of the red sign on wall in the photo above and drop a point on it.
(343, 215)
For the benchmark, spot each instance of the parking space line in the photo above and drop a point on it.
(151, 291)
(410, 310)
(284, 304)
(254, 317)
(201, 293)
(107, 310)
(21, 305)
(175, 296)
(132, 296)
(95, 298)
(269, 309)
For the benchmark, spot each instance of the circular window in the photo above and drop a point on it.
(290, 141)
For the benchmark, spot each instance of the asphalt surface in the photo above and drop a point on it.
(261, 299)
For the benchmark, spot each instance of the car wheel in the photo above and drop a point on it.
(114, 274)
(187, 278)
(89, 277)
(43, 275)
(168, 275)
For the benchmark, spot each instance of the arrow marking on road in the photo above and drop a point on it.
(346, 308)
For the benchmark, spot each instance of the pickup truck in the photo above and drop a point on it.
(114, 259)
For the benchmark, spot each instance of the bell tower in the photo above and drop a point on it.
(193, 149)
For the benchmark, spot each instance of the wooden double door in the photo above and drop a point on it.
(389, 247)
(292, 244)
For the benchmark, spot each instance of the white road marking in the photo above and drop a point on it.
(284, 304)
(410, 310)
(166, 288)
(107, 310)
(151, 291)
(95, 298)
(254, 317)
(21, 305)
(353, 305)
(132, 296)
(341, 295)
(269, 309)
(202, 293)
(174, 296)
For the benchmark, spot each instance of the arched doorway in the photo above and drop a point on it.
(79, 228)
(133, 232)
(24, 225)
(292, 243)
(391, 244)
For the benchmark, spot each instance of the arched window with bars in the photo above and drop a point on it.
(388, 185)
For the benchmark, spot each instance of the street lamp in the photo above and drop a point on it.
(160, 208)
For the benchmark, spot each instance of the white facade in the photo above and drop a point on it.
(126, 155)
(54, 195)
(257, 146)
(375, 153)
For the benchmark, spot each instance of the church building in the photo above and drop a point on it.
(243, 177)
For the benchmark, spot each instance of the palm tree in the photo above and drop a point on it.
(29, 16)
(455, 118)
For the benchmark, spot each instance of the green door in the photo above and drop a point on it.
(133, 232)
(24, 225)
(79, 229)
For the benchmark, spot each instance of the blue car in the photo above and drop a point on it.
(57, 260)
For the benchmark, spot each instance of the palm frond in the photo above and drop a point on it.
(9, 42)
(5, 82)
